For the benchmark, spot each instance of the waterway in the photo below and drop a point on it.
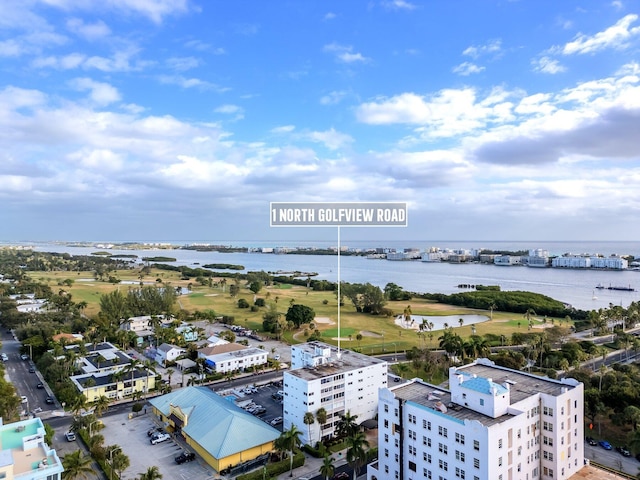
(575, 287)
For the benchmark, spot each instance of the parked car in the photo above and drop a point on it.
(24, 356)
(154, 430)
(4, 356)
(591, 441)
(32, 369)
(341, 476)
(70, 436)
(185, 457)
(604, 444)
(24, 399)
(40, 385)
(49, 400)
(623, 451)
(276, 421)
(159, 437)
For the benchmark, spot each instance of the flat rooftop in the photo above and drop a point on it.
(436, 398)
(521, 385)
(347, 362)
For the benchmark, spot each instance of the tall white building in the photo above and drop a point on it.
(493, 423)
(338, 381)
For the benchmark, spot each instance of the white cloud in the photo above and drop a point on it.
(467, 68)
(333, 98)
(330, 16)
(399, 5)
(547, 65)
(331, 139)
(476, 51)
(90, 31)
(283, 129)
(617, 4)
(182, 63)
(101, 94)
(155, 10)
(184, 82)
(66, 62)
(236, 111)
(344, 53)
(618, 36)
(98, 159)
(447, 113)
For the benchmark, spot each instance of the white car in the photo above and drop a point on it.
(276, 421)
(70, 436)
(159, 437)
(5, 358)
(23, 399)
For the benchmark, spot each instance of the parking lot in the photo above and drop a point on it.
(131, 435)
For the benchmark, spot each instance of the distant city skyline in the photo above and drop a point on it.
(134, 120)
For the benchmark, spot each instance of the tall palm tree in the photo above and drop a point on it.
(321, 417)
(152, 473)
(76, 466)
(347, 425)
(291, 442)
(356, 451)
(309, 419)
(327, 469)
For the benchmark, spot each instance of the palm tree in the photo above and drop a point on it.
(152, 473)
(321, 417)
(291, 443)
(327, 469)
(101, 405)
(529, 316)
(347, 425)
(76, 466)
(309, 420)
(492, 307)
(356, 453)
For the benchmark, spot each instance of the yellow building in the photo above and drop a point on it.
(114, 384)
(223, 434)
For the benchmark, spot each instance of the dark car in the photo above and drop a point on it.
(591, 441)
(623, 451)
(154, 430)
(185, 457)
(341, 476)
(49, 399)
(32, 369)
(40, 385)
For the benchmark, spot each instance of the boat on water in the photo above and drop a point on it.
(628, 288)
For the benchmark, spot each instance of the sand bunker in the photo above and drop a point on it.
(324, 320)
(366, 333)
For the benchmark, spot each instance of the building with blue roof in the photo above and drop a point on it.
(222, 433)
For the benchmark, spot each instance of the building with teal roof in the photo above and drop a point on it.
(24, 453)
(217, 429)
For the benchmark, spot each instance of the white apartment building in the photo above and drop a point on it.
(493, 423)
(507, 260)
(237, 360)
(321, 376)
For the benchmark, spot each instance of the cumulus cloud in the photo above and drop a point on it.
(331, 138)
(618, 36)
(89, 31)
(467, 68)
(235, 111)
(101, 94)
(333, 98)
(399, 5)
(345, 54)
(547, 65)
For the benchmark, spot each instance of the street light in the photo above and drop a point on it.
(95, 421)
(111, 460)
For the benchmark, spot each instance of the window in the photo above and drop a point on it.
(443, 465)
(386, 452)
(476, 463)
(386, 409)
(428, 425)
(412, 466)
(397, 458)
(386, 437)
(412, 450)
(499, 443)
(386, 423)
(442, 448)
(442, 431)
(499, 461)
(424, 424)
(426, 457)
(459, 473)
(460, 438)
(460, 455)
(548, 455)
(426, 473)
(476, 445)
(482, 402)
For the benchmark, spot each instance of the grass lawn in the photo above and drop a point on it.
(378, 333)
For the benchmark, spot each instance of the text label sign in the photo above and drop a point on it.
(343, 214)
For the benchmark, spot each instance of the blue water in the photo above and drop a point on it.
(576, 287)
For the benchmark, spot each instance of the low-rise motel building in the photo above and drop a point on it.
(493, 423)
(222, 433)
(24, 455)
(108, 371)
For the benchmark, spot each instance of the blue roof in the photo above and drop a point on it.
(217, 425)
(483, 385)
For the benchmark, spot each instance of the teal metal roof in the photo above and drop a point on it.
(219, 426)
(483, 385)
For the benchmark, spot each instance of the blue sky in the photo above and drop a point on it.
(171, 120)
